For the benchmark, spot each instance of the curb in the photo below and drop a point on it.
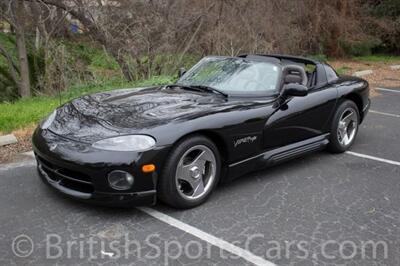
(7, 139)
(363, 73)
(28, 154)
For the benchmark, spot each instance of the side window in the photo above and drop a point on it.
(311, 75)
(330, 74)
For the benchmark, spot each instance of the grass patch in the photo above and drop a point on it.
(343, 70)
(95, 57)
(25, 112)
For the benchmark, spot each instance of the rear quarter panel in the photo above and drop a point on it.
(355, 89)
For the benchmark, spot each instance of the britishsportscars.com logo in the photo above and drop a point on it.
(154, 247)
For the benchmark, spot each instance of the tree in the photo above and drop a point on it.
(12, 11)
(99, 27)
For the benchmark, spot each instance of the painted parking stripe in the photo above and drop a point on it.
(215, 241)
(373, 158)
(383, 113)
(389, 90)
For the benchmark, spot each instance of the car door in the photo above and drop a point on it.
(300, 118)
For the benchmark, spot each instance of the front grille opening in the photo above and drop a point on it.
(77, 186)
(62, 176)
(75, 174)
(51, 175)
(46, 163)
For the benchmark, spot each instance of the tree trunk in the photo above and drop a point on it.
(334, 47)
(24, 86)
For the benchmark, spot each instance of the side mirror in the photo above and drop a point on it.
(293, 89)
(181, 72)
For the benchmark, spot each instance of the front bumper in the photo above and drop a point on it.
(79, 171)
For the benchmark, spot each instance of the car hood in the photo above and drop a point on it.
(130, 111)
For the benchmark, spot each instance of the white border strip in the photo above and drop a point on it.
(220, 243)
(383, 89)
(382, 113)
(373, 158)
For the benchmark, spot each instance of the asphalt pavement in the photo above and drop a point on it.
(322, 209)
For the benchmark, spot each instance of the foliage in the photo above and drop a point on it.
(361, 48)
(7, 84)
(8, 42)
(343, 70)
(386, 8)
(92, 56)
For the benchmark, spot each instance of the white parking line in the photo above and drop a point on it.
(383, 89)
(373, 158)
(382, 113)
(215, 241)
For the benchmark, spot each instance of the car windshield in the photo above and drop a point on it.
(234, 75)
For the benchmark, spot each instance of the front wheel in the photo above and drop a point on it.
(344, 127)
(190, 174)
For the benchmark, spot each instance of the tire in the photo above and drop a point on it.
(342, 134)
(184, 170)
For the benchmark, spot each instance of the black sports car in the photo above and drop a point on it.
(223, 118)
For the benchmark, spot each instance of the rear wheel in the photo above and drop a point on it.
(344, 127)
(190, 174)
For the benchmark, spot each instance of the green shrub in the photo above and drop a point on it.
(343, 70)
(362, 48)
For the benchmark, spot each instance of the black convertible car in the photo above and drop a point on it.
(223, 118)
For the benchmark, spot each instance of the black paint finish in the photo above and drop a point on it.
(241, 127)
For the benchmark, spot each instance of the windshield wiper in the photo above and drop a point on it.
(209, 89)
(199, 88)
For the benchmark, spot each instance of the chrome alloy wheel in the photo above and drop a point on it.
(347, 127)
(196, 172)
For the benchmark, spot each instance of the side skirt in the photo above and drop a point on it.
(277, 155)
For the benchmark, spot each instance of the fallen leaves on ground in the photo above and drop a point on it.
(8, 152)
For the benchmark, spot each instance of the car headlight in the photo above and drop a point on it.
(126, 143)
(48, 121)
